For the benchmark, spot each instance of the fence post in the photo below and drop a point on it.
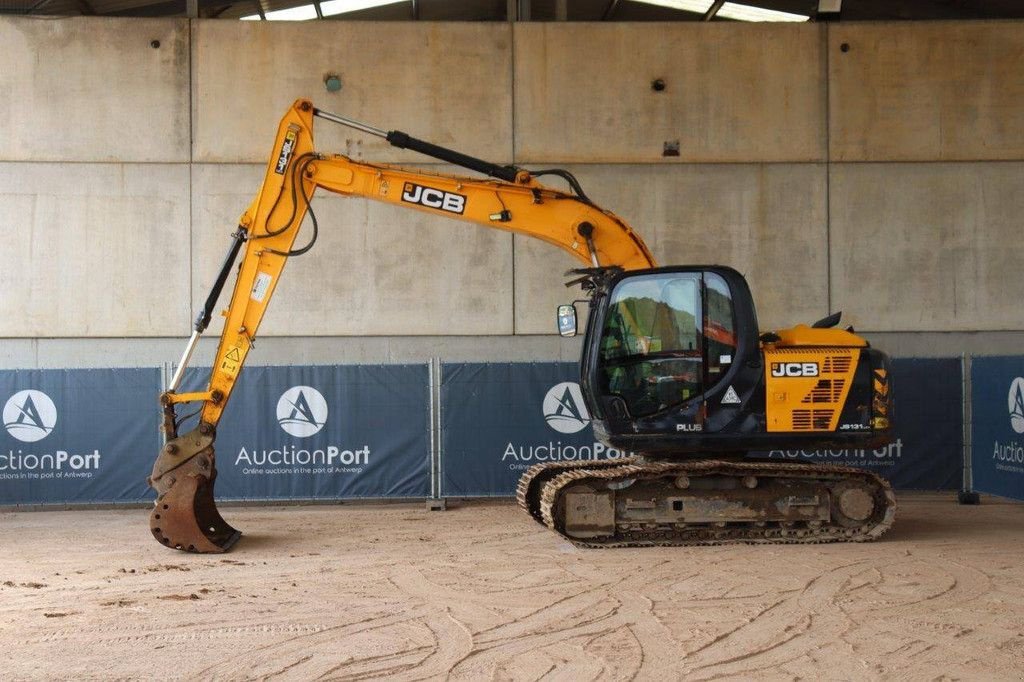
(436, 502)
(967, 494)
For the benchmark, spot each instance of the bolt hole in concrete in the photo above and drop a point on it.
(845, 47)
(155, 44)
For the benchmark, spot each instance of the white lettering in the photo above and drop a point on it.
(454, 203)
(432, 197)
(510, 451)
(794, 369)
(889, 452)
(554, 451)
(59, 460)
(289, 455)
(1008, 452)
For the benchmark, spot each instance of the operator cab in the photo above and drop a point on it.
(670, 355)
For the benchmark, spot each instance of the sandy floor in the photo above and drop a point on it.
(482, 592)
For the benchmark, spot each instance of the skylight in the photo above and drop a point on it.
(300, 13)
(730, 10)
(329, 9)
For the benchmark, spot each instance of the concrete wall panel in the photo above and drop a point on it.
(376, 269)
(926, 91)
(93, 249)
(767, 221)
(287, 350)
(91, 89)
(446, 83)
(18, 353)
(734, 93)
(928, 247)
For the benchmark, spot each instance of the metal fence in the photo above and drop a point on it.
(437, 430)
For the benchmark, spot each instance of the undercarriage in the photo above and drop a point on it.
(641, 502)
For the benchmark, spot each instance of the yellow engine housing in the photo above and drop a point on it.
(806, 388)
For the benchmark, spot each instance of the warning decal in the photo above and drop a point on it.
(731, 397)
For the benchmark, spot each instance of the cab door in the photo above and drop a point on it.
(652, 349)
(670, 351)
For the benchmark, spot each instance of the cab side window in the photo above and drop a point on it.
(719, 328)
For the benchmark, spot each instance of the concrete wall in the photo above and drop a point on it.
(733, 92)
(451, 83)
(873, 168)
(930, 91)
(94, 90)
(86, 249)
(962, 270)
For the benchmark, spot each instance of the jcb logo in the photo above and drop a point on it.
(434, 198)
(794, 369)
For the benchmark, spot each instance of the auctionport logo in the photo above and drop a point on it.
(302, 411)
(565, 412)
(1015, 400)
(564, 409)
(30, 415)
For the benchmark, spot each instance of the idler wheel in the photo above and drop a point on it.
(856, 504)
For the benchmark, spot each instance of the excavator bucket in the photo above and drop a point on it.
(185, 516)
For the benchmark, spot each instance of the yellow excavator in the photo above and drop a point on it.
(674, 369)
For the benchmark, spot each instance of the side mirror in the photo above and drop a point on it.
(567, 320)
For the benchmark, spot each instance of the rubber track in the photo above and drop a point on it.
(704, 535)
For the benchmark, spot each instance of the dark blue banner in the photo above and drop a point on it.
(499, 419)
(927, 453)
(78, 435)
(324, 432)
(997, 431)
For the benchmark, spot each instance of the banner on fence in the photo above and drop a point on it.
(499, 419)
(77, 436)
(324, 432)
(927, 453)
(997, 431)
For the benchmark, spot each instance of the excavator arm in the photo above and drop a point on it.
(185, 516)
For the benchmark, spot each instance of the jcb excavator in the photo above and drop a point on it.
(673, 369)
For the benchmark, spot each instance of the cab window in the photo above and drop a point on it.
(652, 341)
(719, 328)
